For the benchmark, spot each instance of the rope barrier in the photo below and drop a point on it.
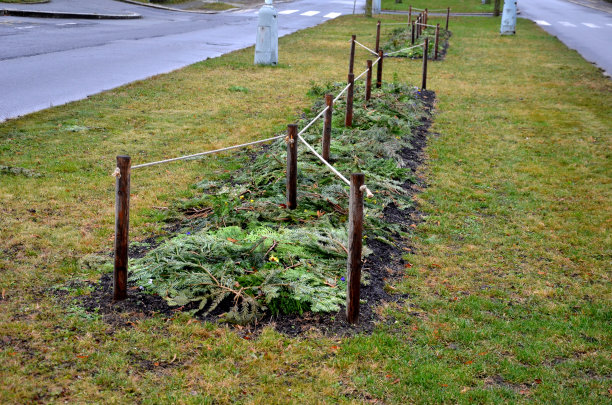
(361, 75)
(187, 157)
(405, 49)
(342, 92)
(365, 47)
(330, 167)
(426, 25)
(395, 24)
(313, 121)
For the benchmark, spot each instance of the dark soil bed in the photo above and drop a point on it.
(382, 268)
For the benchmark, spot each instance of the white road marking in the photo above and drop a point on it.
(566, 24)
(24, 28)
(288, 11)
(332, 15)
(310, 13)
(248, 10)
(541, 22)
(59, 25)
(609, 25)
(591, 25)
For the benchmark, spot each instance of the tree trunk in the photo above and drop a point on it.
(368, 8)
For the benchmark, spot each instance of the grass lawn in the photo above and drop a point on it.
(457, 6)
(215, 6)
(510, 287)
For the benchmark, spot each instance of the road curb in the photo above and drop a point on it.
(60, 14)
(160, 7)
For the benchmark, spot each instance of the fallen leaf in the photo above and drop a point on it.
(396, 381)
(156, 364)
(232, 240)
(469, 362)
(436, 265)
(482, 353)
(538, 381)
(408, 265)
(444, 385)
(82, 356)
(282, 205)
(541, 273)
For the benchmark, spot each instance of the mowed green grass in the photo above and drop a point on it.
(509, 286)
(440, 6)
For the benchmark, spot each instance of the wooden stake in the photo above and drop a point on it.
(377, 37)
(379, 71)
(352, 57)
(412, 40)
(437, 41)
(348, 121)
(368, 94)
(327, 126)
(355, 245)
(447, 17)
(409, 14)
(425, 49)
(292, 149)
(122, 225)
(426, 16)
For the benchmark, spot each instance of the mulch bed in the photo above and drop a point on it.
(383, 267)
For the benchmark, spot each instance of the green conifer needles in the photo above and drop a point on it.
(247, 254)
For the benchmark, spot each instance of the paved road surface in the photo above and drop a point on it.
(48, 62)
(584, 29)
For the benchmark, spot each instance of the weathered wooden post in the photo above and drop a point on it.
(379, 71)
(437, 40)
(425, 52)
(377, 36)
(327, 126)
(350, 94)
(426, 16)
(409, 14)
(122, 225)
(368, 94)
(355, 246)
(447, 17)
(352, 55)
(412, 37)
(348, 119)
(292, 150)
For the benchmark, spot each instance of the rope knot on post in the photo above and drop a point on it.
(117, 173)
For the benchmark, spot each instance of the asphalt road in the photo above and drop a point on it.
(584, 29)
(49, 62)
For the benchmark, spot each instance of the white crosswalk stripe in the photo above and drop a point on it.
(288, 11)
(591, 25)
(566, 24)
(332, 15)
(609, 25)
(542, 22)
(310, 13)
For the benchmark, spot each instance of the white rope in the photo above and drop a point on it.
(342, 92)
(365, 47)
(361, 75)
(376, 61)
(330, 167)
(208, 152)
(313, 121)
(405, 49)
(426, 25)
(395, 24)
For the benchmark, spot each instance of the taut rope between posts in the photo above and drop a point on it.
(404, 49)
(330, 167)
(366, 48)
(196, 155)
(426, 25)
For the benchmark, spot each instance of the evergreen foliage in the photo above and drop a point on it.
(247, 249)
(401, 38)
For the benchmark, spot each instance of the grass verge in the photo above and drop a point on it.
(510, 287)
(457, 6)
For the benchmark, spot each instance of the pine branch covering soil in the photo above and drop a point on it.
(401, 38)
(248, 254)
